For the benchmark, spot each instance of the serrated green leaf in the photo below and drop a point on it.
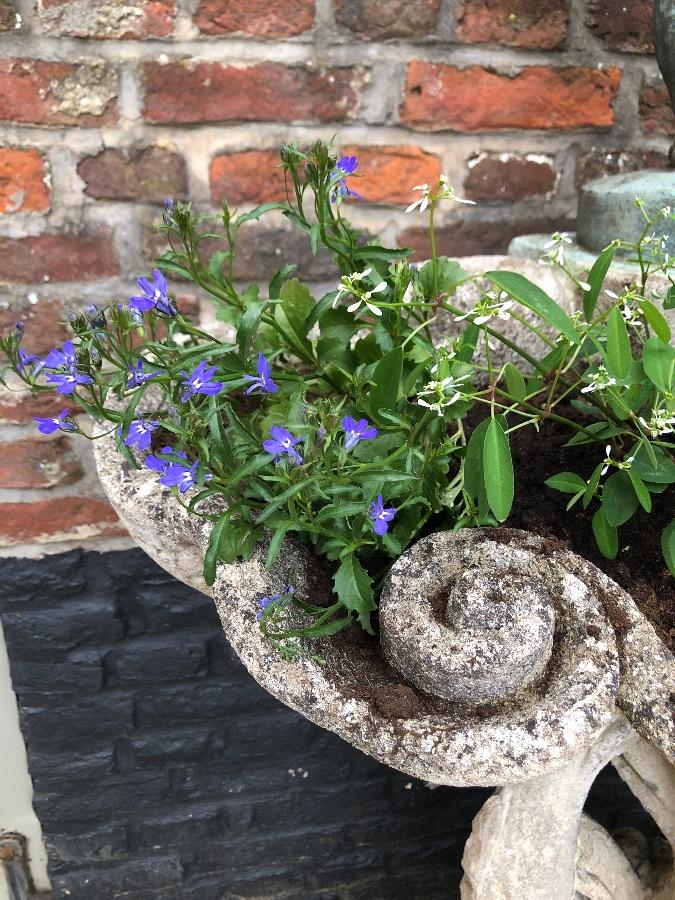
(279, 278)
(498, 470)
(280, 532)
(566, 482)
(319, 310)
(213, 550)
(533, 297)
(606, 535)
(248, 326)
(596, 278)
(619, 357)
(354, 588)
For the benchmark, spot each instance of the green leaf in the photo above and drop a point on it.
(596, 278)
(278, 536)
(661, 473)
(257, 213)
(286, 495)
(641, 491)
(515, 382)
(567, 482)
(354, 588)
(473, 461)
(498, 470)
(669, 299)
(533, 297)
(656, 319)
(668, 546)
(259, 461)
(606, 535)
(386, 381)
(619, 500)
(278, 280)
(213, 550)
(319, 310)
(248, 327)
(314, 237)
(449, 275)
(658, 359)
(291, 314)
(593, 483)
(619, 356)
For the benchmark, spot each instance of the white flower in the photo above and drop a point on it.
(444, 393)
(555, 246)
(626, 464)
(423, 201)
(661, 422)
(598, 381)
(443, 192)
(486, 309)
(584, 285)
(365, 298)
(349, 284)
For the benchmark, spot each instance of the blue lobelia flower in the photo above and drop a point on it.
(380, 515)
(182, 477)
(25, 360)
(62, 422)
(169, 209)
(282, 442)
(161, 465)
(345, 166)
(154, 296)
(200, 382)
(66, 382)
(264, 602)
(138, 376)
(357, 431)
(140, 433)
(263, 379)
(64, 358)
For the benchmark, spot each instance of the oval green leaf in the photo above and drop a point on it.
(606, 535)
(498, 470)
(619, 356)
(567, 482)
(668, 546)
(619, 500)
(531, 295)
(658, 359)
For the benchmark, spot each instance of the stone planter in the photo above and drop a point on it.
(506, 661)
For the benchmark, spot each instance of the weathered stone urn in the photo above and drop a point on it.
(504, 660)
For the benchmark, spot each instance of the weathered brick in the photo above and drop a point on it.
(58, 257)
(274, 19)
(250, 176)
(508, 178)
(36, 92)
(472, 237)
(380, 19)
(103, 19)
(170, 746)
(18, 407)
(43, 321)
(28, 582)
(35, 463)
(79, 671)
(515, 23)
(10, 20)
(24, 180)
(439, 97)
(154, 875)
(387, 174)
(149, 174)
(188, 92)
(656, 110)
(81, 622)
(621, 25)
(600, 163)
(59, 519)
(156, 659)
(103, 716)
(109, 841)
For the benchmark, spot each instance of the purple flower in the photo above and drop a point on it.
(357, 431)
(94, 315)
(169, 209)
(263, 380)
(25, 359)
(381, 517)
(157, 464)
(264, 602)
(20, 328)
(138, 376)
(62, 422)
(182, 477)
(154, 296)
(140, 433)
(200, 382)
(345, 166)
(64, 358)
(66, 382)
(282, 442)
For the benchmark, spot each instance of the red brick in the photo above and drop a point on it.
(600, 163)
(622, 25)
(59, 519)
(23, 180)
(252, 176)
(515, 23)
(18, 407)
(101, 19)
(9, 16)
(439, 97)
(43, 322)
(189, 92)
(474, 237)
(508, 178)
(147, 175)
(655, 109)
(56, 93)
(58, 257)
(381, 19)
(36, 463)
(272, 19)
(388, 174)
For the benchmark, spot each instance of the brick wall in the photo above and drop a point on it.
(106, 106)
(162, 771)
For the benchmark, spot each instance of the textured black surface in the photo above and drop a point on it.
(162, 770)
